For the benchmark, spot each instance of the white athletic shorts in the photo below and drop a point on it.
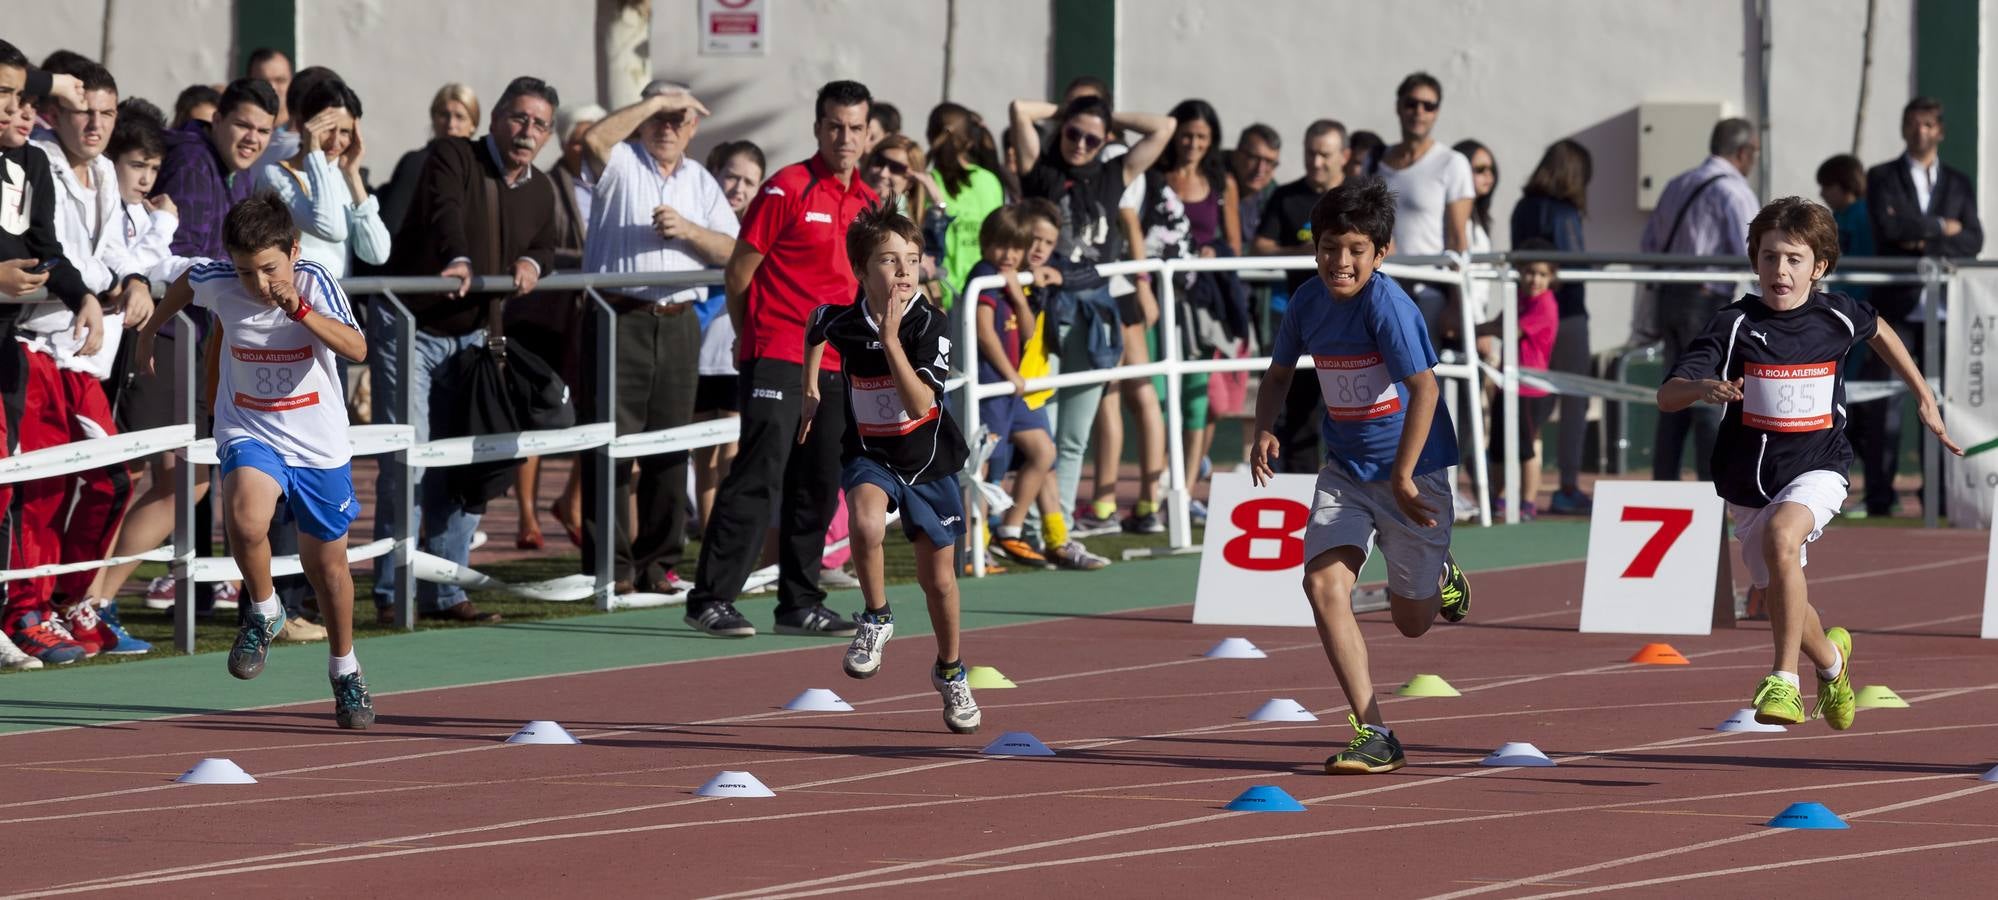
(1820, 491)
(1347, 512)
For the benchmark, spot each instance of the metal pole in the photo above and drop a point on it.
(1509, 357)
(187, 339)
(1932, 297)
(1179, 522)
(974, 499)
(404, 589)
(604, 485)
(1481, 476)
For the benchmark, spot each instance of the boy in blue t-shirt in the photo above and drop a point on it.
(1389, 449)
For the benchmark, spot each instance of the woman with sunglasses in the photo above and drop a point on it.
(896, 170)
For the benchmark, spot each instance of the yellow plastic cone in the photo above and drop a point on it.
(1880, 696)
(986, 678)
(1428, 686)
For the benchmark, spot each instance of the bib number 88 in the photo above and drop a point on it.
(275, 381)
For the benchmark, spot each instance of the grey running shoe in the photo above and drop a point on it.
(960, 711)
(863, 656)
(352, 707)
(253, 643)
(1074, 556)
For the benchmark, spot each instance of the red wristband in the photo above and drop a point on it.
(303, 308)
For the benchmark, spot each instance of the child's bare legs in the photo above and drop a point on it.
(710, 464)
(1144, 401)
(148, 523)
(867, 518)
(1792, 619)
(326, 568)
(1328, 584)
(526, 497)
(1529, 477)
(935, 573)
(249, 498)
(1037, 452)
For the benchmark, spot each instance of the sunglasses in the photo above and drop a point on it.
(898, 168)
(675, 121)
(1481, 170)
(1424, 105)
(1082, 139)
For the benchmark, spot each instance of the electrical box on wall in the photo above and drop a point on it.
(1671, 138)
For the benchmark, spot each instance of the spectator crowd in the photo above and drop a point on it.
(102, 194)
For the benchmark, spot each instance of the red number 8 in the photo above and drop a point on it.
(1290, 547)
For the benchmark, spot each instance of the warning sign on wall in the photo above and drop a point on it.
(734, 27)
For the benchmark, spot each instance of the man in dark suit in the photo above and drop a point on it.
(1919, 207)
(476, 210)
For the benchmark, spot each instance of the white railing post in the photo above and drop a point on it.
(604, 485)
(1481, 477)
(1509, 408)
(974, 499)
(186, 343)
(1179, 521)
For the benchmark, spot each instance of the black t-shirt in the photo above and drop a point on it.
(1287, 220)
(1791, 419)
(1090, 231)
(918, 448)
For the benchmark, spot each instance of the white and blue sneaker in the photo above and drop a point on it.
(127, 644)
(863, 656)
(960, 711)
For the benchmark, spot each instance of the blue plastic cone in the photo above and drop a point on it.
(1264, 798)
(1807, 815)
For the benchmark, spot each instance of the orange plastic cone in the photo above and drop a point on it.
(1660, 655)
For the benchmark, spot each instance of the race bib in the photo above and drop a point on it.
(270, 379)
(1356, 388)
(878, 409)
(1788, 398)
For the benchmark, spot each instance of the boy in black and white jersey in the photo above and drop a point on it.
(1772, 361)
(902, 449)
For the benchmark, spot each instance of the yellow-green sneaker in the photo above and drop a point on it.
(1456, 592)
(1776, 703)
(1836, 702)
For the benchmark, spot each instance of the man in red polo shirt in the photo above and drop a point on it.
(789, 258)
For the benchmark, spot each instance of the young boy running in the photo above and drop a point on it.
(281, 427)
(1389, 449)
(902, 449)
(1772, 360)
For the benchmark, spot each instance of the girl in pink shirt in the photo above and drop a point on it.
(1539, 319)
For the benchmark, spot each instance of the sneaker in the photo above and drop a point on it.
(80, 621)
(253, 643)
(1570, 502)
(1456, 592)
(11, 656)
(838, 580)
(1088, 524)
(960, 711)
(44, 640)
(227, 596)
(1835, 700)
(479, 539)
(352, 707)
(1370, 752)
(815, 621)
(1196, 513)
(674, 584)
(1776, 703)
(1075, 557)
(1528, 512)
(992, 567)
(1018, 550)
(863, 656)
(1146, 524)
(1465, 509)
(720, 620)
(127, 645)
(300, 630)
(159, 593)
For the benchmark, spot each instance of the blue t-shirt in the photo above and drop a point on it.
(1004, 323)
(1365, 348)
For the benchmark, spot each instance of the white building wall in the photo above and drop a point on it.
(156, 47)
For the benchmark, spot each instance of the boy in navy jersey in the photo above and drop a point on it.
(902, 449)
(1772, 360)
(1389, 447)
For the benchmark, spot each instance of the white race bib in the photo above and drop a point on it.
(1356, 388)
(268, 379)
(878, 409)
(1788, 398)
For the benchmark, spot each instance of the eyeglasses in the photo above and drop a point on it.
(1260, 162)
(898, 168)
(1481, 170)
(525, 122)
(1424, 105)
(1082, 139)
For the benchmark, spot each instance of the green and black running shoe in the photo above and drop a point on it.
(1371, 752)
(1456, 592)
(352, 706)
(253, 643)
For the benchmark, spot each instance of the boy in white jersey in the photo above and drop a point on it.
(281, 427)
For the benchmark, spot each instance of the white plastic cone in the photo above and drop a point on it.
(735, 784)
(1517, 753)
(1990, 776)
(818, 700)
(1235, 648)
(1744, 720)
(542, 731)
(1017, 743)
(1282, 710)
(215, 770)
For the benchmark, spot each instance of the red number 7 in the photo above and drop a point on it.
(1671, 523)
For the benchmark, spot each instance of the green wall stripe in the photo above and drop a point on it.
(1085, 42)
(1946, 38)
(265, 23)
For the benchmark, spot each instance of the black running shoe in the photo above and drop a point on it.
(352, 707)
(253, 644)
(719, 619)
(1456, 593)
(1369, 753)
(815, 621)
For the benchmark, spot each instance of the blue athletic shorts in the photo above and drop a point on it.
(1008, 416)
(933, 508)
(323, 500)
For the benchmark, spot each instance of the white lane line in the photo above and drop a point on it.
(1764, 867)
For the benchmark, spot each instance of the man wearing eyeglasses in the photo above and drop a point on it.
(655, 210)
(1254, 163)
(477, 210)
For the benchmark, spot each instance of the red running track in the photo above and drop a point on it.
(1647, 798)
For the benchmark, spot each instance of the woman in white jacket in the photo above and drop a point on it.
(338, 219)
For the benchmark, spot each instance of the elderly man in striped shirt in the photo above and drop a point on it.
(655, 210)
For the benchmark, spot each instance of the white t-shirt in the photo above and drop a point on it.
(620, 235)
(1423, 193)
(718, 347)
(277, 384)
